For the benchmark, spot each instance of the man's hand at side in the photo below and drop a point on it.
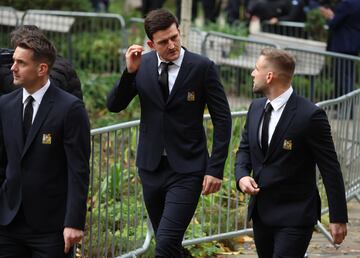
(211, 185)
(338, 232)
(71, 237)
(248, 185)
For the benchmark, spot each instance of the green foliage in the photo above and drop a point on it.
(315, 25)
(95, 89)
(97, 51)
(65, 5)
(114, 215)
(204, 250)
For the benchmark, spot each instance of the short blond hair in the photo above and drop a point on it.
(281, 60)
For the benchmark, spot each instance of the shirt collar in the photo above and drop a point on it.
(37, 95)
(177, 62)
(281, 100)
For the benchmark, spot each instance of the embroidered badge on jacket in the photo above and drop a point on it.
(46, 138)
(191, 96)
(288, 145)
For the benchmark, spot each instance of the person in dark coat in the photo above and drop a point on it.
(344, 38)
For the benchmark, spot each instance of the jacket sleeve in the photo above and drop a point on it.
(77, 149)
(221, 118)
(122, 93)
(243, 165)
(322, 146)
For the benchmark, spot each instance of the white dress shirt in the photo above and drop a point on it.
(38, 96)
(174, 69)
(278, 105)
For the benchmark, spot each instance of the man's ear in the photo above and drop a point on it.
(43, 69)
(150, 44)
(269, 77)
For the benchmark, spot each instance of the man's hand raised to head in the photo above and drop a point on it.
(133, 58)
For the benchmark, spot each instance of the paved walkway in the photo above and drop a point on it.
(319, 245)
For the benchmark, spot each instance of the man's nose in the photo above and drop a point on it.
(171, 44)
(13, 67)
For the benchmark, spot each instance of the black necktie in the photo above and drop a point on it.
(164, 79)
(265, 128)
(28, 114)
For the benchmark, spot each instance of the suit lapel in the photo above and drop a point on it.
(153, 71)
(284, 122)
(184, 71)
(254, 128)
(44, 109)
(17, 122)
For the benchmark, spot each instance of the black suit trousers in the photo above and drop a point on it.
(171, 199)
(280, 242)
(19, 240)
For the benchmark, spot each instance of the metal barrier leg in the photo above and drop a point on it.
(146, 245)
(357, 197)
(326, 233)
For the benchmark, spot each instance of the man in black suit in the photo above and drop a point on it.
(44, 165)
(173, 85)
(284, 138)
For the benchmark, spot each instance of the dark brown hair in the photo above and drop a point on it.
(281, 60)
(22, 32)
(159, 19)
(44, 50)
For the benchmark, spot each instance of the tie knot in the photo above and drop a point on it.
(165, 66)
(29, 100)
(268, 108)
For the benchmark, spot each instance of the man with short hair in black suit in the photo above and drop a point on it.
(174, 86)
(285, 137)
(44, 159)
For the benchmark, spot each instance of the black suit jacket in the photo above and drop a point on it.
(177, 124)
(287, 174)
(48, 174)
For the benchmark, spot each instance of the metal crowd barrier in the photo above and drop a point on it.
(117, 224)
(293, 29)
(332, 75)
(9, 19)
(91, 41)
(344, 118)
(235, 58)
(319, 75)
